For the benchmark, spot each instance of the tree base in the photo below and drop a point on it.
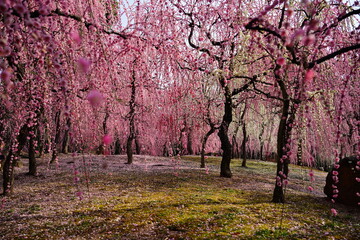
(226, 174)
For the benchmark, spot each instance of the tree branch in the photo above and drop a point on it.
(86, 23)
(334, 54)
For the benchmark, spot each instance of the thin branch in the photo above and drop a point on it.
(251, 26)
(245, 86)
(86, 23)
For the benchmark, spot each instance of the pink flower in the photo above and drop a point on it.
(3, 7)
(280, 61)
(336, 166)
(357, 179)
(335, 173)
(313, 25)
(298, 34)
(75, 37)
(286, 182)
(5, 76)
(334, 212)
(107, 139)
(289, 12)
(5, 51)
(95, 98)
(44, 10)
(336, 179)
(84, 64)
(20, 9)
(311, 173)
(310, 188)
(309, 40)
(309, 75)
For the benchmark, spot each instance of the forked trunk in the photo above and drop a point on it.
(203, 145)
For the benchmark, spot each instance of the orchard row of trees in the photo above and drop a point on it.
(161, 77)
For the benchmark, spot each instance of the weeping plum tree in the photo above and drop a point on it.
(36, 70)
(212, 29)
(298, 39)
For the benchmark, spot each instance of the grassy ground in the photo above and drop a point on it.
(168, 199)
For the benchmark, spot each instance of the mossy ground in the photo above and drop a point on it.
(170, 200)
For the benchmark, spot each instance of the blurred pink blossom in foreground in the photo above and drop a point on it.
(95, 98)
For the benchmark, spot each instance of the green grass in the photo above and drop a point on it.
(192, 205)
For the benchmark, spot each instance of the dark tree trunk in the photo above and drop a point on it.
(223, 135)
(235, 147)
(57, 137)
(66, 139)
(129, 150)
(117, 149)
(243, 145)
(10, 161)
(32, 157)
(261, 151)
(284, 134)
(137, 145)
(131, 116)
(102, 148)
(8, 174)
(190, 141)
(261, 157)
(203, 145)
(47, 140)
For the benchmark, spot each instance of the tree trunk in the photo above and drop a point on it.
(137, 145)
(57, 137)
(190, 141)
(223, 135)
(117, 149)
(129, 150)
(131, 116)
(10, 161)
(299, 153)
(243, 145)
(8, 174)
(203, 145)
(281, 158)
(32, 157)
(66, 139)
(235, 147)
